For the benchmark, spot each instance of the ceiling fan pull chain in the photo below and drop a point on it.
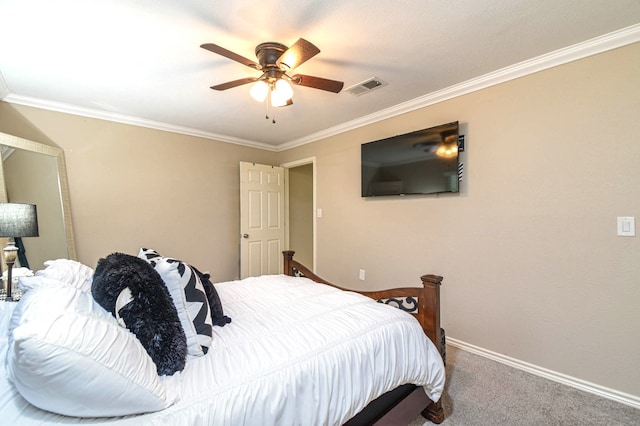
(268, 104)
(273, 112)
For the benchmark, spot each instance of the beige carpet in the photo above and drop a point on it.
(480, 391)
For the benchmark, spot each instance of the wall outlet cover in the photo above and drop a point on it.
(627, 226)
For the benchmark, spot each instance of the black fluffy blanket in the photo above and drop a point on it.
(149, 314)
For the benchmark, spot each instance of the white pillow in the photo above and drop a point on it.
(69, 356)
(68, 271)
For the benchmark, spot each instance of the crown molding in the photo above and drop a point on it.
(572, 53)
(135, 121)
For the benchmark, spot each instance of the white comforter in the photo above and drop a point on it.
(296, 352)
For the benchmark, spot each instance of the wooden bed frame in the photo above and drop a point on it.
(403, 404)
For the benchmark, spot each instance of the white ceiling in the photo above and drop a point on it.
(139, 61)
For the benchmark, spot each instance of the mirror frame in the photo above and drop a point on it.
(63, 184)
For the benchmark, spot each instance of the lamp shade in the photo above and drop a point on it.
(18, 220)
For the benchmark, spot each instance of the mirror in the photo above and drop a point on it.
(35, 173)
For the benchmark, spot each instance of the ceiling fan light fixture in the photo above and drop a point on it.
(284, 89)
(273, 87)
(275, 102)
(259, 91)
(282, 92)
(449, 148)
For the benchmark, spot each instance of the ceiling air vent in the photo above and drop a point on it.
(366, 86)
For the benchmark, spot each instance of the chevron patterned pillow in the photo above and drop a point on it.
(189, 297)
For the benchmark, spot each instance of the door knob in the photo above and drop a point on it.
(245, 235)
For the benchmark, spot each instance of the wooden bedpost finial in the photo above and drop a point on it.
(432, 279)
(288, 259)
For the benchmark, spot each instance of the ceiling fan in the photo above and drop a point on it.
(275, 60)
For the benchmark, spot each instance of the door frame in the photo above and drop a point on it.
(286, 167)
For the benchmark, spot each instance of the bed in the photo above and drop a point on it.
(299, 350)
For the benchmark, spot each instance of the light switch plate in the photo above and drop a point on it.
(626, 226)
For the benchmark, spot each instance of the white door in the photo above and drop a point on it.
(261, 219)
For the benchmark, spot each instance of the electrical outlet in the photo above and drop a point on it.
(361, 275)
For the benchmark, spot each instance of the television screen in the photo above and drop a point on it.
(420, 162)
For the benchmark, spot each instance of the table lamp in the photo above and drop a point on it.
(16, 220)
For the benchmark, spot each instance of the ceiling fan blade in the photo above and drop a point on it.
(301, 51)
(231, 55)
(317, 83)
(234, 83)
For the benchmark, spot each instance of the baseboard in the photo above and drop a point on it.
(624, 398)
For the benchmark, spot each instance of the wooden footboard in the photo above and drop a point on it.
(426, 299)
(425, 306)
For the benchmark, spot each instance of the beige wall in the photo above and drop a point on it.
(132, 187)
(532, 264)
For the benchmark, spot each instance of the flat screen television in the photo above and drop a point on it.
(420, 162)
